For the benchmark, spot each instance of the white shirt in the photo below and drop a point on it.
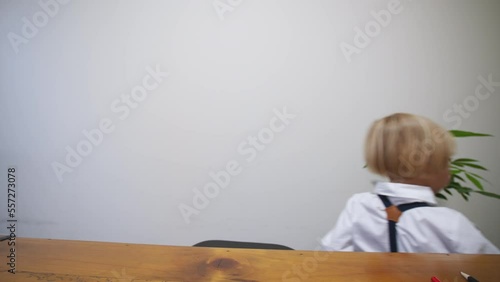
(362, 226)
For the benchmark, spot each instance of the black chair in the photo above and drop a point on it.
(241, 245)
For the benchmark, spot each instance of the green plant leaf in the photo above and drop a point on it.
(461, 133)
(441, 196)
(465, 160)
(478, 176)
(474, 181)
(464, 189)
(489, 194)
(454, 185)
(464, 196)
(474, 166)
(458, 177)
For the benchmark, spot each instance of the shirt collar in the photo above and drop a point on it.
(400, 190)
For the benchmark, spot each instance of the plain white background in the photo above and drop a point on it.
(226, 77)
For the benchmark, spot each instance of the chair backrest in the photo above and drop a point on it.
(242, 245)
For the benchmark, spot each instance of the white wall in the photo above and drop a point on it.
(226, 77)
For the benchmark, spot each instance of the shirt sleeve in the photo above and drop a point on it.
(340, 237)
(469, 240)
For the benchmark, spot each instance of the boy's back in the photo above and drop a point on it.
(362, 226)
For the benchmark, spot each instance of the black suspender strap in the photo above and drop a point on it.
(392, 225)
(387, 202)
(393, 214)
(409, 206)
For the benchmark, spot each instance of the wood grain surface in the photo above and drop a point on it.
(82, 261)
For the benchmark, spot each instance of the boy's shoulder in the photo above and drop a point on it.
(447, 214)
(368, 198)
(364, 198)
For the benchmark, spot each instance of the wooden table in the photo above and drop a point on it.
(81, 261)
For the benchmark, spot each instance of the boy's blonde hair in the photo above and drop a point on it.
(407, 146)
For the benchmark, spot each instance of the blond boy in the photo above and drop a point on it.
(401, 215)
